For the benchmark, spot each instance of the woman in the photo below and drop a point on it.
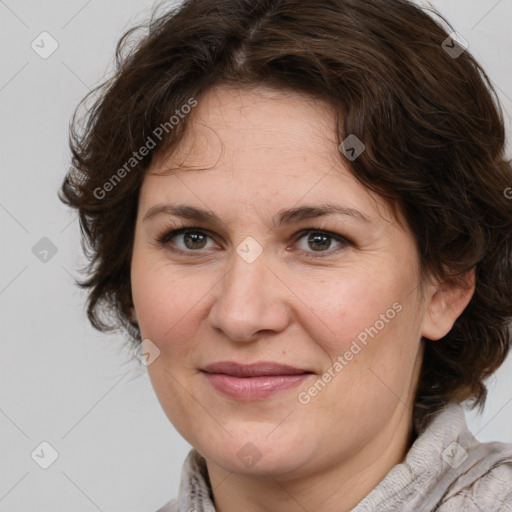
(298, 209)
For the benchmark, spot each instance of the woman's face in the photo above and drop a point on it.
(266, 279)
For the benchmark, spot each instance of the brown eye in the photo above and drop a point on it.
(194, 239)
(319, 241)
(185, 239)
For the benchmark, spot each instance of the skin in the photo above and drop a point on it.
(247, 155)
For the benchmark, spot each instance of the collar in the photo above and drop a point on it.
(444, 459)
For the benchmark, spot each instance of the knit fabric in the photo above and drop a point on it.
(445, 470)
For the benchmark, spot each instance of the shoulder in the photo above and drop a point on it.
(171, 506)
(485, 486)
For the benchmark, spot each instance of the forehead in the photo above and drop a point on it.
(231, 122)
(258, 145)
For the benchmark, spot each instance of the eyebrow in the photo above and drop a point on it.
(293, 215)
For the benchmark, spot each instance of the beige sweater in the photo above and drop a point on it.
(445, 470)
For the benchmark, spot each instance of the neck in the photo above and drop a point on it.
(337, 488)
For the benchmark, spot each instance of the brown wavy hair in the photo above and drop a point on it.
(430, 119)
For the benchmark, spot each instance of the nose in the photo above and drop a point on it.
(251, 301)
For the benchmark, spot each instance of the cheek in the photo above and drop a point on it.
(341, 308)
(378, 341)
(371, 321)
(167, 312)
(167, 304)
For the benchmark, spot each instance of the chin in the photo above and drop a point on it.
(252, 454)
(277, 464)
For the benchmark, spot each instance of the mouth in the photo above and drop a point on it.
(253, 381)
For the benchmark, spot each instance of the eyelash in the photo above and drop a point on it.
(164, 240)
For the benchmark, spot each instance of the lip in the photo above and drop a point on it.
(253, 381)
(261, 369)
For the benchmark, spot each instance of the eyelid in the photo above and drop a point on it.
(163, 240)
(165, 237)
(320, 254)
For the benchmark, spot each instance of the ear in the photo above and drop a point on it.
(445, 303)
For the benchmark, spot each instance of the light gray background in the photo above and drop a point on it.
(61, 381)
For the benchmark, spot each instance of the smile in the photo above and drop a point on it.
(255, 381)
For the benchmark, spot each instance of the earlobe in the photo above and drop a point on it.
(446, 302)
